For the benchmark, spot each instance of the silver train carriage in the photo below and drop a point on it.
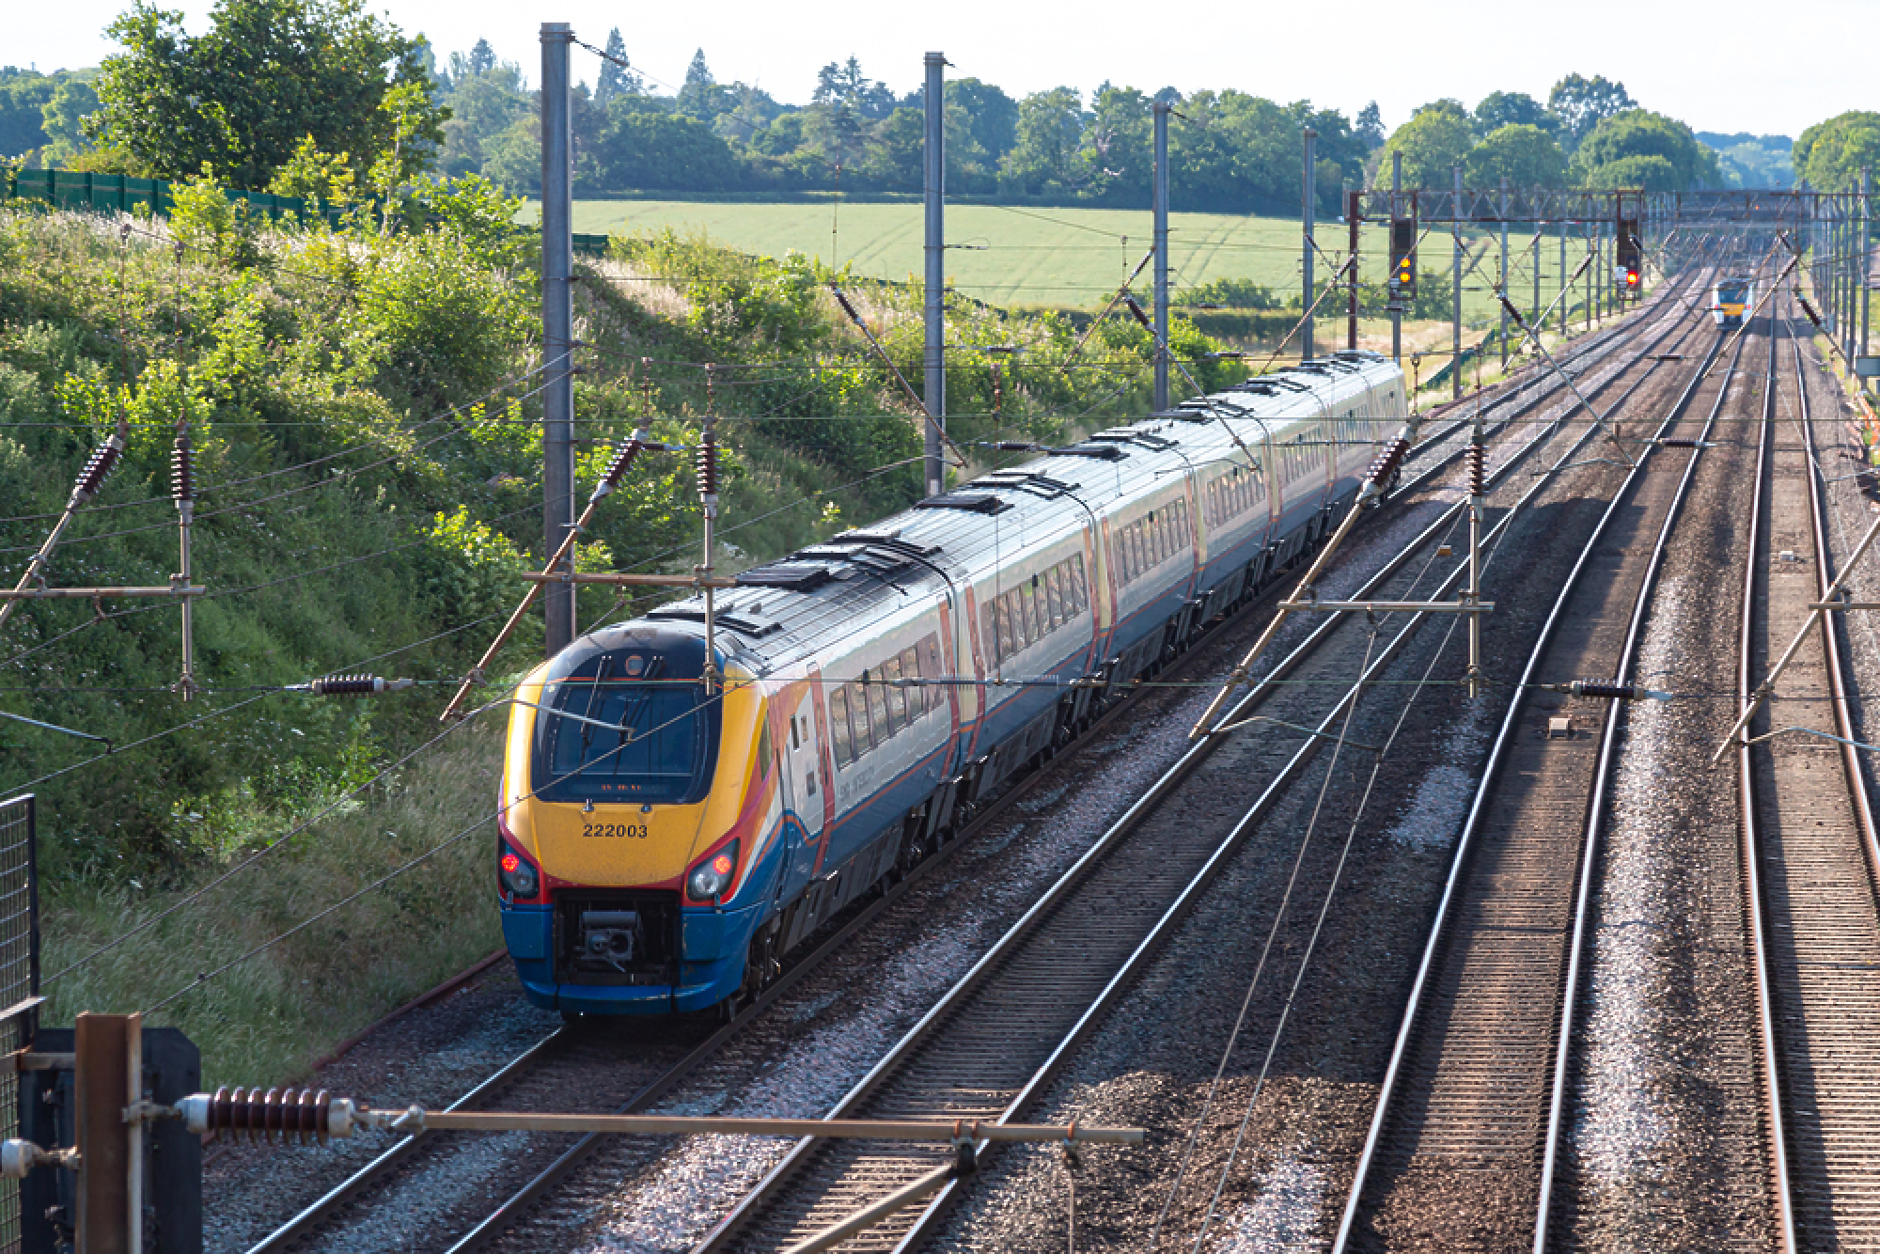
(663, 846)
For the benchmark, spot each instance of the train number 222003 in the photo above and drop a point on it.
(635, 830)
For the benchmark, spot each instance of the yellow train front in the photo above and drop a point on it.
(639, 809)
(1730, 298)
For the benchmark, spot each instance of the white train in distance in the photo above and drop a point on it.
(664, 845)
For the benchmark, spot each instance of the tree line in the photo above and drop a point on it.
(337, 97)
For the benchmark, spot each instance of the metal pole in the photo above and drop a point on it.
(1306, 217)
(183, 492)
(1561, 301)
(1353, 200)
(934, 388)
(1503, 212)
(1160, 198)
(1396, 211)
(1865, 262)
(1455, 338)
(558, 603)
(1592, 276)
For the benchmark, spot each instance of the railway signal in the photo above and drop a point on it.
(1403, 260)
(1629, 254)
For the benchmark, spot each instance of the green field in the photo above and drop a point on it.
(1070, 258)
(1007, 256)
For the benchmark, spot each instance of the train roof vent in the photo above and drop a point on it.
(1270, 385)
(789, 573)
(1360, 355)
(890, 540)
(1025, 481)
(971, 502)
(729, 621)
(1102, 452)
(1141, 438)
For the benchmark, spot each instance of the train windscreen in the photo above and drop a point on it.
(624, 742)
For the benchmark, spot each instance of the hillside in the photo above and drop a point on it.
(362, 411)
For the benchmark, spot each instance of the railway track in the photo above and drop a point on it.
(1466, 1137)
(1000, 1036)
(644, 1072)
(1809, 839)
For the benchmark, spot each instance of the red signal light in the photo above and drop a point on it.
(722, 864)
(1631, 278)
(511, 862)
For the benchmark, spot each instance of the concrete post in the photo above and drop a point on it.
(558, 604)
(1160, 202)
(934, 386)
(1306, 222)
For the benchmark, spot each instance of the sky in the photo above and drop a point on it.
(1722, 66)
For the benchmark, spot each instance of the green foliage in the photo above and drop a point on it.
(1233, 294)
(1752, 160)
(205, 219)
(1639, 148)
(1511, 108)
(314, 175)
(1526, 156)
(1582, 103)
(1433, 143)
(73, 100)
(266, 75)
(1831, 155)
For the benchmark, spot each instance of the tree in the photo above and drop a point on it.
(73, 100)
(1611, 154)
(840, 109)
(1511, 108)
(1119, 143)
(1583, 103)
(1831, 154)
(616, 78)
(1370, 127)
(482, 57)
(483, 105)
(1047, 156)
(652, 150)
(1524, 154)
(700, 96)
(1432, 143)
(268, 73)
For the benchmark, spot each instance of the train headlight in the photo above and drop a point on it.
(710, 878)
(517, 877)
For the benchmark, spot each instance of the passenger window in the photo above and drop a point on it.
(897, 697)
(931, 668)
(878, 712)
(917, 696)
(866, 738)
(1079, 596)
(1053, 597)
(1028, 614)
(839, 737)
(1002, 611)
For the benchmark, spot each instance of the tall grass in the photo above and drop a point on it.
(264, 1020)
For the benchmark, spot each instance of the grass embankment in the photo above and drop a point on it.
(363, 410)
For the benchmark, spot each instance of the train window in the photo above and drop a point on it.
(839, 735)
(1002, 615)
(763, 747)
(1138, 560)
(795, 740)
(878, 711)
(858, 718)
(1054, 596)
(1080, 593)
(917, 701)
(1036, 624)
(896, 697)
(930, 666)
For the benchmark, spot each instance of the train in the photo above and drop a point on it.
(1729, 301)
(670, 831)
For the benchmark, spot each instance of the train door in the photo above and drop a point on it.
(808, 791)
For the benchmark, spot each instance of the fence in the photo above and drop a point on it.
(19, 980)
(120, 193)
